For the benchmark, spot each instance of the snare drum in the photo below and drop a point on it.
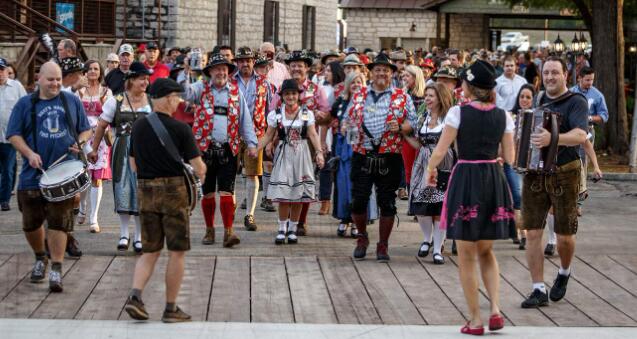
(64, 180)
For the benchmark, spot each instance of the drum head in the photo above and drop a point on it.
(61, 172)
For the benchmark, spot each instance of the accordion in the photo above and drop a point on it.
(531, 159)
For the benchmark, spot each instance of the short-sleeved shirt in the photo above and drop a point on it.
(52, 133)
(453, 119)
(151, 158)
(574, 114)
(10, 93)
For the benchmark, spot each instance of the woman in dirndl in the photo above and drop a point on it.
(120, 112)
(425, 202)
(292, 182)
(93, 97)
(478, 207)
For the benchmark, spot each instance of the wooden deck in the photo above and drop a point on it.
(310, 289)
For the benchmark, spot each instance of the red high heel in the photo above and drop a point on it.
(473, 331)
(496, 322)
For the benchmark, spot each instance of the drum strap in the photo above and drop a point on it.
(164, 137)
(72, 127)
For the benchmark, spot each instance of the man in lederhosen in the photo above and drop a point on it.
(257, 92)
(222, 120)
(378, 117)
(314, 98)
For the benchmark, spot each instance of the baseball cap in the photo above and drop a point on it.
(151, 45)
(3, 63)
(112, 57)
(126, 48)
(163, 87)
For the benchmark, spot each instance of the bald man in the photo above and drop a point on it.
(41, 142)
(277, 71)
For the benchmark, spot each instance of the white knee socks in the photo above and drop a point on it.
(83, 202)
(124, 219)
(426, 225)
(550, 222)
(283, 225)
(252, 191)
(266, 183)
(439, 237)
(138, 229)
(96, 197)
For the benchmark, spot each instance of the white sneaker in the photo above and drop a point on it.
(94, 228)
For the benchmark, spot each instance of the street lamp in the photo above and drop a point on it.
(558, 45)
(583, 42)
(575, 46)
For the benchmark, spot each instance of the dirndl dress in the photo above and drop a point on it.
(424, 199)
(292, 179)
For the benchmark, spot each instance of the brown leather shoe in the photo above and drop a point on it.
(209, 238)
(325, 208)
(229, 238)
(73, 247)
(301, 230)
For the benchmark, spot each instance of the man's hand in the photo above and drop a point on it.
(252, 152)
(541, 139)
(393, 126)
(92, 156)
(35, 161)
(74, 149)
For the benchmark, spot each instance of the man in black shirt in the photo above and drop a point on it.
(163, 199)
(559, 189)
(116, 78)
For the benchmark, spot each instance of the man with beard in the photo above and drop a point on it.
(256, 91)
(378, 117)
(277, 72)
(115, 79)
(39, 130)
(222, 120)
(158, 69)
(399, 58)
(314, 98)
(559, 189)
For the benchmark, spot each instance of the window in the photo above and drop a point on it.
(271, 22)
(226, 19)
(309, 27)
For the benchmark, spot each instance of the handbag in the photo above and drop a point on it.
(443, 180)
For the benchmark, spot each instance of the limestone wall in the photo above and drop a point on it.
(468, 31)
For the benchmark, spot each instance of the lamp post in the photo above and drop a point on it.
(575, 49)
(558, 45)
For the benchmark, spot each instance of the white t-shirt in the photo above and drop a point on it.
(298, 122)
(453, 119)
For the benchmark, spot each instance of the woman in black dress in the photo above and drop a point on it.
(478, 207)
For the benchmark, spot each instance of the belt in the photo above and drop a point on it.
(161, 181)
(569, 166)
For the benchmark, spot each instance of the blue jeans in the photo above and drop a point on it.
(7, 170)
(513, 178)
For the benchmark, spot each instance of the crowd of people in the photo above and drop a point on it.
(352, 130)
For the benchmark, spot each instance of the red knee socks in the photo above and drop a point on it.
(208, 208)
(226, 206)
(304, 209)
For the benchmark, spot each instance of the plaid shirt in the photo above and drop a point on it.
(376, 110)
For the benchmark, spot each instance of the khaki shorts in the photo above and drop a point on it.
(164, 213)
(559, 190)
(252, 166)
(35, 210)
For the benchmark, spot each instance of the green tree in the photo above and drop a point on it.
(604, 20)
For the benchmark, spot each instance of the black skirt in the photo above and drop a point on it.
(478, 203)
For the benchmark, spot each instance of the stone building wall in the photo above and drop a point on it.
(366, 26)
(196, 24)
(142, 19)
(468, 31)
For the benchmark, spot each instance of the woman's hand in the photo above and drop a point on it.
(320, 161)
(432, 177)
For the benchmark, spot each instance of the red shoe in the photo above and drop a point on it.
(473, 331)
(496, 322)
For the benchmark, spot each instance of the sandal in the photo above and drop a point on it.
(496, 322)
(123, 244)
(137, 246)
(466, 329)
(438, 259)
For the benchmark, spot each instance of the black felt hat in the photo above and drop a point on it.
(382, 59)
(137, 69)
(480, 74)
(299, 56)
(244, 53)
(71, 65)
(289, 85)
(218, 59)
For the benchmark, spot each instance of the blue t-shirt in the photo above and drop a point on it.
(53, 136)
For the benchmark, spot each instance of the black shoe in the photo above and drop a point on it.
(39, 270)
(300, 229)
(522, 244)
(362, 242)
(292, 238)
(425, 253)
(438, 259)
(559, 287)
(454, 249)
(244, 204)
(340, 232)
(137, 247)
(381, 252)
(536, 299)
(73, 247)
(135, 309)
(280, 238)
(249, 223)
(549, 250)
(5, 206)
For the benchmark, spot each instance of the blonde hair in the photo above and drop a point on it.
(419, 83)
(445, 98)
(349, 80)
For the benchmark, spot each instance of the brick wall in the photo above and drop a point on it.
(366, 26)
(468, 31)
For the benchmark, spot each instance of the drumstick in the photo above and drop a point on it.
(58, 160)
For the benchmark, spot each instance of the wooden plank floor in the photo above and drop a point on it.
(310, 289)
